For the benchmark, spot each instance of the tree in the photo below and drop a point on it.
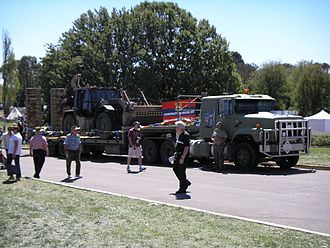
(9, 74)
(244, 70)
(27, 74)
(156, 47)
(310, 87)
(271, 79)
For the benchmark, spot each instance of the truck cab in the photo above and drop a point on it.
(256, 131)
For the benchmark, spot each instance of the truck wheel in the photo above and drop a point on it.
(150, 151)
(245, 157)
(287, 162)
(166, 151)
(68, 122)
(52, 149)
(103, 125)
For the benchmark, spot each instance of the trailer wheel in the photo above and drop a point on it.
(288, 162)
(103, 125)
(61, 152)
(68, 122)
(52, 149)
(245, 157)
(98, 150)
(150, 151)
(166, 151)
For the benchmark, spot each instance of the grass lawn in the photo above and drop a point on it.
(38, 214)
(317, 156)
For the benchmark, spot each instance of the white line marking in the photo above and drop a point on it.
(188, 208)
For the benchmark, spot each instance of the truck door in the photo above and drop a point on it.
(225, 115)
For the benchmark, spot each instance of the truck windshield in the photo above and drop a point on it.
(104, 94)
(247, 106)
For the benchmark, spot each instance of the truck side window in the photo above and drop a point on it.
(225, 107)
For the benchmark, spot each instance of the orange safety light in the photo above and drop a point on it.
(246, 91)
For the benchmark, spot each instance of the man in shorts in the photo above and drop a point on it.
(134, 146)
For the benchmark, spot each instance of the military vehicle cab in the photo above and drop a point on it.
(256, 131)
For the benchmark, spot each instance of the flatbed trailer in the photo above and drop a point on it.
(157, 143)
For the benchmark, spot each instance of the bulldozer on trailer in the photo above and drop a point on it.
(104, 109)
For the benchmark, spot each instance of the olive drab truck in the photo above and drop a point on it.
(256, 131)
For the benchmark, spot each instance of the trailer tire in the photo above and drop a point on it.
(166, 151)
(52, 149)
(61, 152)
(104, 125)
(150, 151)
(245, 156)
(287, 162)
(69, 121)
(97, 151)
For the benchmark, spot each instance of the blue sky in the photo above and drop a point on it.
(261, 31)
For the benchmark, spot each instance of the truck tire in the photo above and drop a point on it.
(166, 151)
(245, 157)
(104, 125)
(69, 121)
(287, 162)
(150, 151)
(52, 149)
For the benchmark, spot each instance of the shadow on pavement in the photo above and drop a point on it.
(70, 180)
(181, 196)
(228, 168)
(260, 170)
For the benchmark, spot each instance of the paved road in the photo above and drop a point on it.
(296, 197)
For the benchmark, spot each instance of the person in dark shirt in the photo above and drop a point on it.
(181, 157)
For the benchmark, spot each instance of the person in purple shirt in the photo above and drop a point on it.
(39, 150)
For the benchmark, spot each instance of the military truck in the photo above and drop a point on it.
(255, 132)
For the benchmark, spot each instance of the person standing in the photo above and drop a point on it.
(14, 152)
(181, 157)
(219, 138)
(134, 146)
(72, 151)
(39, 150)
(5, 139)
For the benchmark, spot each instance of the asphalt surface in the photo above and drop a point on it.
(296, 197)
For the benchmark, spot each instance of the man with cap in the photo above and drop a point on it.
(72, 151)
(181, 157)
(134, 146)
(219, 138)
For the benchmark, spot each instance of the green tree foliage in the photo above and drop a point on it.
(271, 79)
(156, 47)
(27, 74)
(243, 69)
(9, 74)
(310, 87)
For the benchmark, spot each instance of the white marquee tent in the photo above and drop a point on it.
(320, 123)
(14, 115)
